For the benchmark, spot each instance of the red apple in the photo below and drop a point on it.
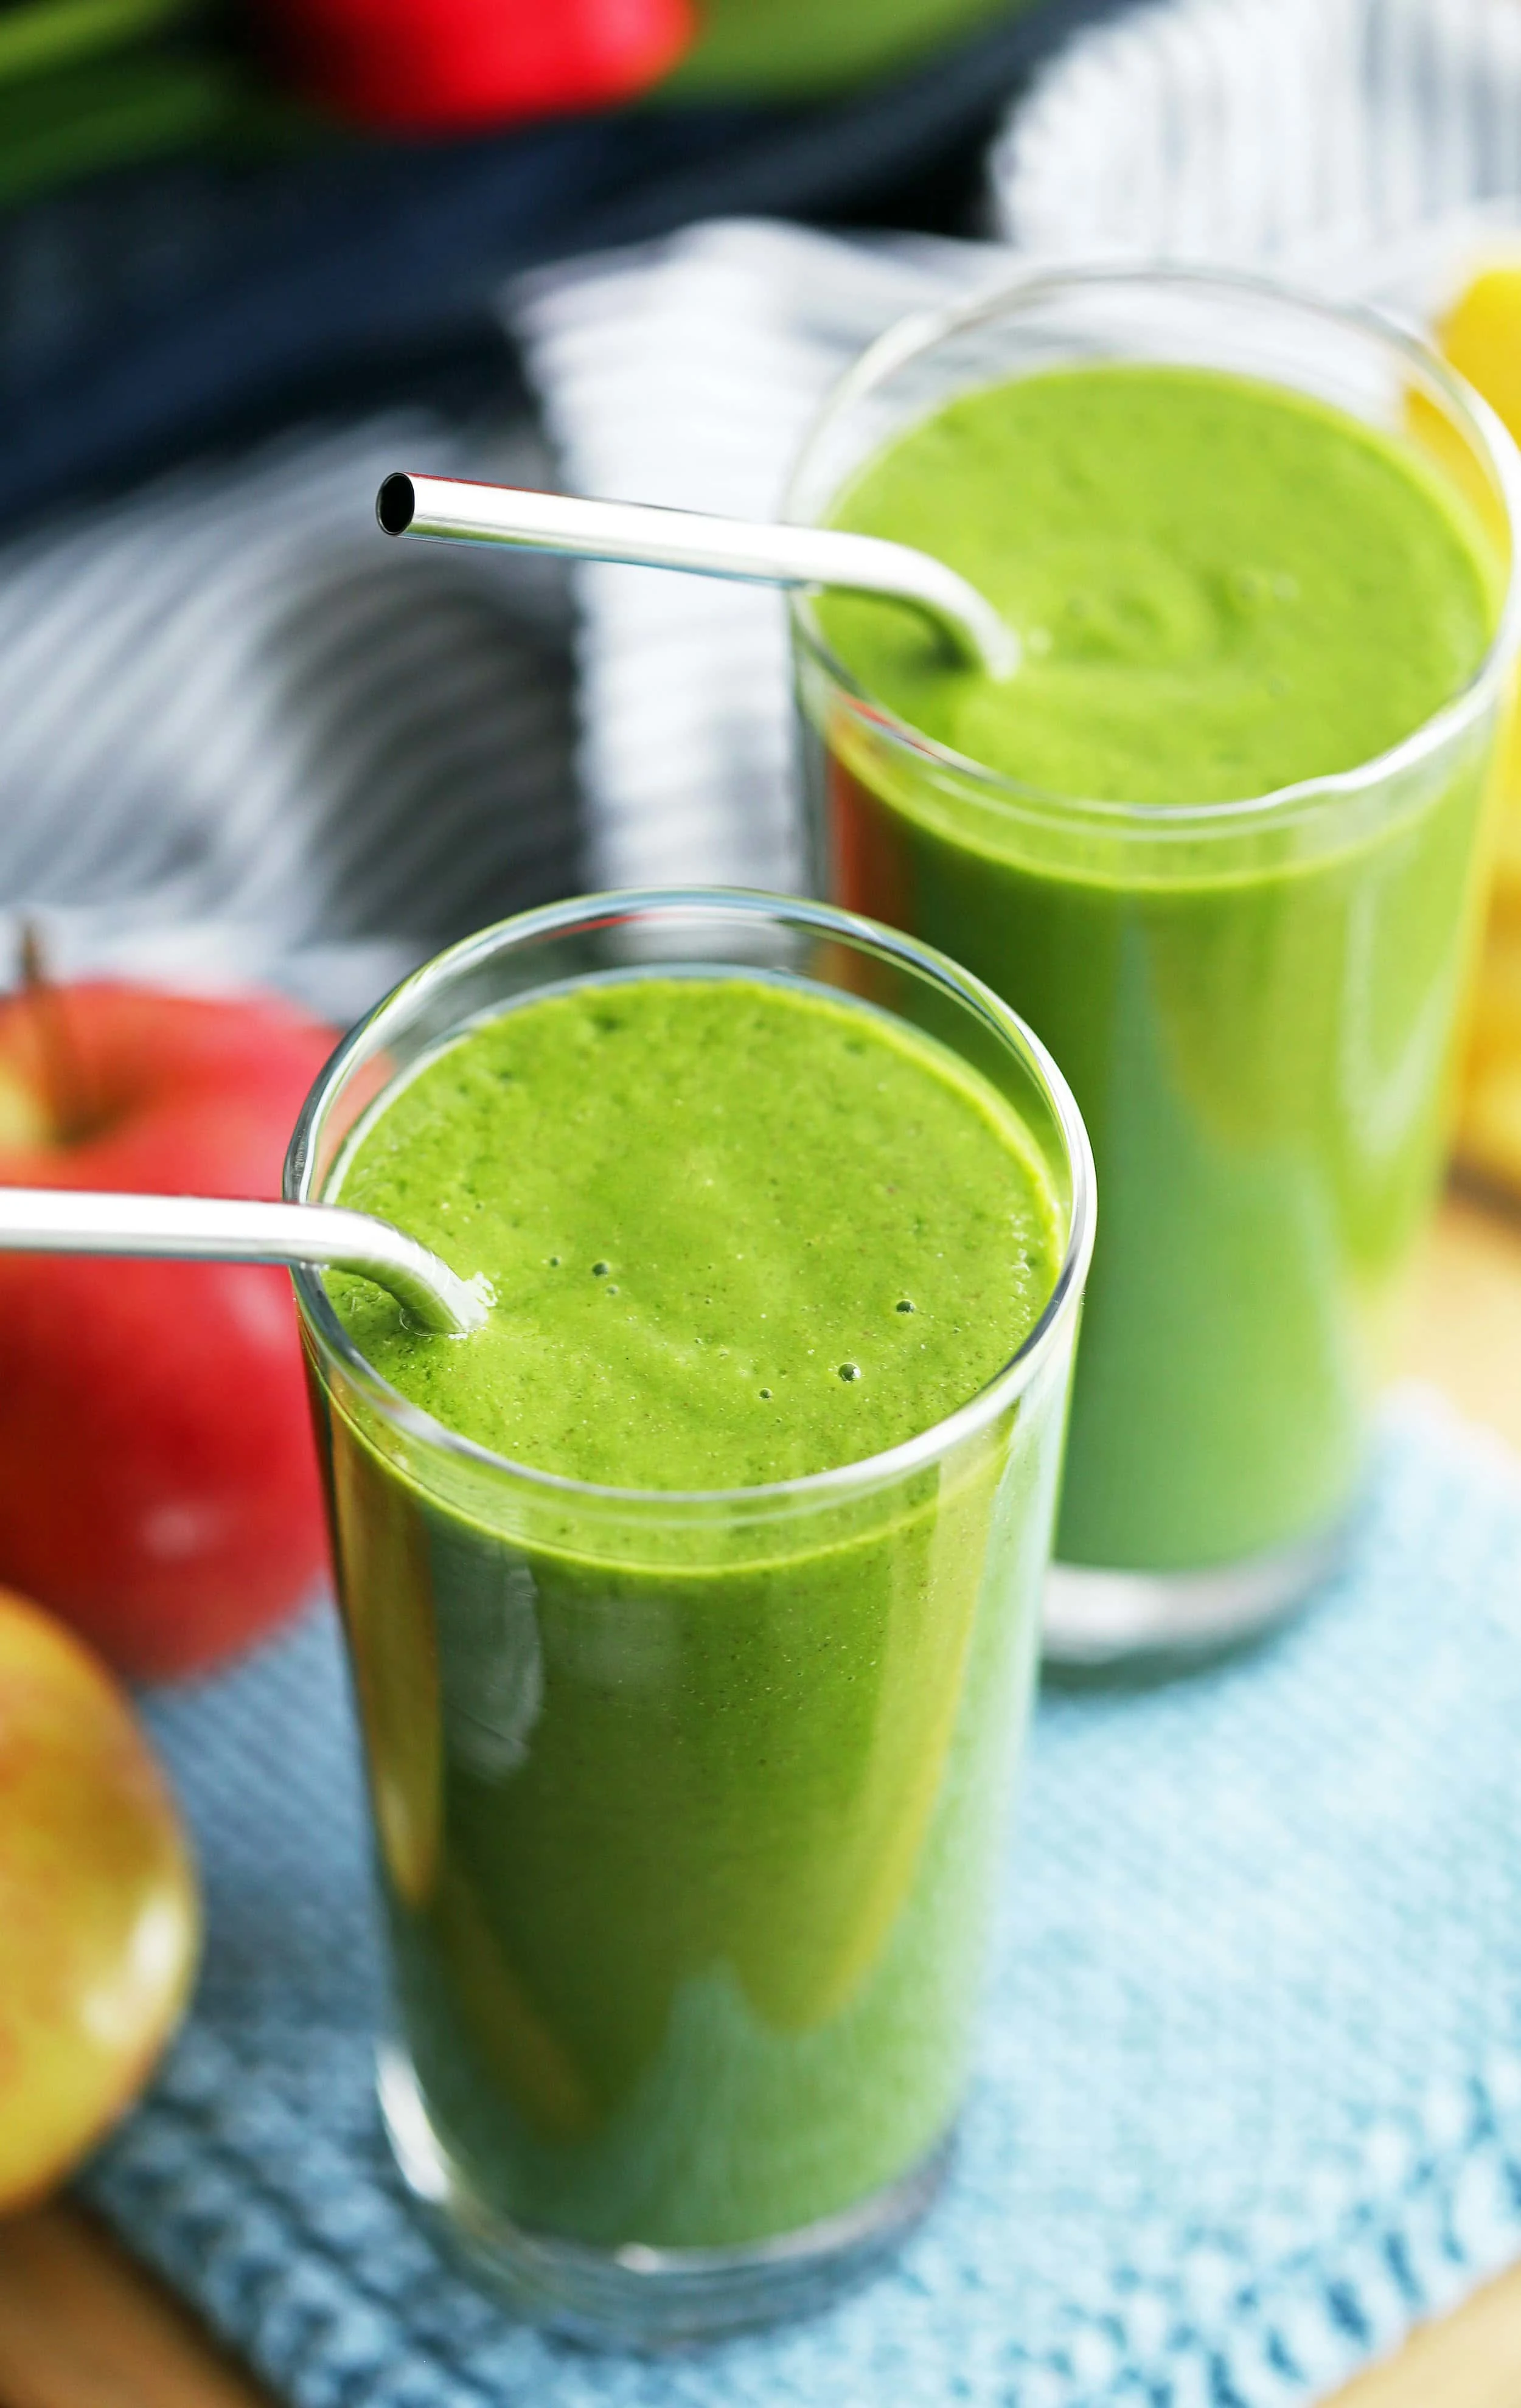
(158, 1486)
(98, 1907)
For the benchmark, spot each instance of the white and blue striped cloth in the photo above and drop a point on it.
(1361, 141)
(687, 375)
(243, 736)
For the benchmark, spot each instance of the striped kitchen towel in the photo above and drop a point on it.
(1358, 142)
(246, 736)
(686, 374)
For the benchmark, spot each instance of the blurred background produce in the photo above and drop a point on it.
(799, 47)
(90, 84)
(99, 1918)
(436, 63)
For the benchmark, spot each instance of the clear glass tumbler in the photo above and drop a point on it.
(1255, 1002)
(688, 1806)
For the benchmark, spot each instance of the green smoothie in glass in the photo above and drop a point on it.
(692, 1662)
(1160, 840)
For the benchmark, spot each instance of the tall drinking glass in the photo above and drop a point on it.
(688, 1806)
(1255, 1001)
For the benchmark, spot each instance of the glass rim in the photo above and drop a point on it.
(743, 903)
(918, 331)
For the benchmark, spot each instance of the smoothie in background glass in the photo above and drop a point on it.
(1219, 840)
(692, 1603)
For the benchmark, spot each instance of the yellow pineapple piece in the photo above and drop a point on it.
(1489, 1107)
(1480, 336)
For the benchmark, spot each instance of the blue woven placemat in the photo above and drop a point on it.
(1250, 2096)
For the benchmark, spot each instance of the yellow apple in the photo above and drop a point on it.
(99, 1913)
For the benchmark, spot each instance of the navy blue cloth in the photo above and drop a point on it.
(155, 311)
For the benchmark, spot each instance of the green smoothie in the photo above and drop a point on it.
(687, 1814)
(1223, 588)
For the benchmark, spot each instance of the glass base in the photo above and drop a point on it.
(638, 2297)
(1093, 1618)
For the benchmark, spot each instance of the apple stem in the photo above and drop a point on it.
(66, 1084)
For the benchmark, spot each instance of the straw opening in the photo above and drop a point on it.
(395, 504)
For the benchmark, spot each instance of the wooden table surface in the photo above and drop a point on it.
(80, 2328)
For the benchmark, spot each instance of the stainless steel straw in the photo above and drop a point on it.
(207, 1229)
(447, 509)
